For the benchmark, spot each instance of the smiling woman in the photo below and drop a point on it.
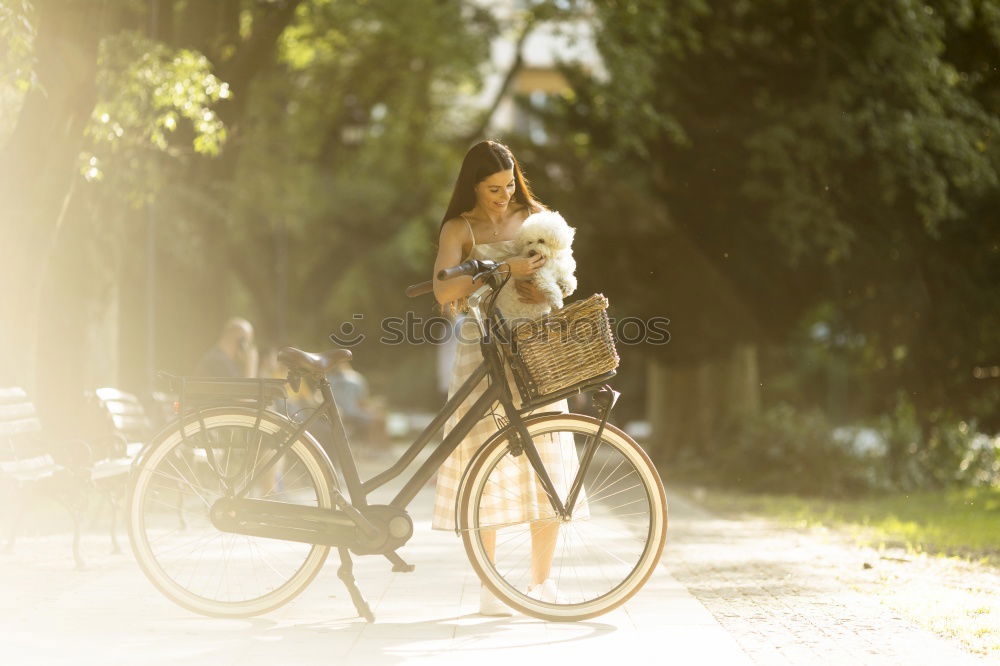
(490, 202)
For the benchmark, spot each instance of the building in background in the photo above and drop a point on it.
(537, 77)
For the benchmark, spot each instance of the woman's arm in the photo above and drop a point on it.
(453, 234)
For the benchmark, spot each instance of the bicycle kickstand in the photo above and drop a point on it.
(346, 574)
(398, 564)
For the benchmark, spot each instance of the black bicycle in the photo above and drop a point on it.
(233, 507)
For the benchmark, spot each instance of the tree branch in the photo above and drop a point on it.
(255, 53)
(508, 79)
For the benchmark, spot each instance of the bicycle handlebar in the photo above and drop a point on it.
(470, 267)
(420, 289)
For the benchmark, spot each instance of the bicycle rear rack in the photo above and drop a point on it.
(208, 391)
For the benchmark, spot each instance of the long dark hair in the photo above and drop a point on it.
(483, 160)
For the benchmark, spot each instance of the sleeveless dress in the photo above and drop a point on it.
(522, 497)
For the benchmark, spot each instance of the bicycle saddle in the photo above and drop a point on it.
(297, 360)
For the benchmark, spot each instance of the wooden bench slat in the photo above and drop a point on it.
(17, 415)
(16, 410)
(19, 427)
(125, 408)
(110, 467)
(106, 393)
(30, 469)
(9, 394)
(130, 421)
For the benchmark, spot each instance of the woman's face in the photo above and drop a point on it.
(494, 192)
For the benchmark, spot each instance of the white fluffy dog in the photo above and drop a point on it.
(545, 233)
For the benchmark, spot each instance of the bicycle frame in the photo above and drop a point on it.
(340, 515)
(497, 390)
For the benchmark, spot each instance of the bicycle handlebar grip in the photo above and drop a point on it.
(470, 267)
(420, 289)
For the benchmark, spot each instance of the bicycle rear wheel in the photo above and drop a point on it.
(593, 562)
(178, 480)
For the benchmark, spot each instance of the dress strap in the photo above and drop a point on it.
(471, 235)
(470, 229)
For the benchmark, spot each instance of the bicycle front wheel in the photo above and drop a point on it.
(564, 569)
(174, 487)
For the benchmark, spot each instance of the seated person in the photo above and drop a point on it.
(234, 355)
(350, 389)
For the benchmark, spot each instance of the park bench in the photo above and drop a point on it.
(30, 466)
(162, 408)
(120, 429)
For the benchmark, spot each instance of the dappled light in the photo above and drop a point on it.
(384, 331)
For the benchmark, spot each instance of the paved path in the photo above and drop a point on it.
(728, 593)
(789, 597)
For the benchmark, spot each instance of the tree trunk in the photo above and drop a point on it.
(743, 381)
(674, 410)
(37, 166)
(691, 406)
(77, 317)
(215, 34)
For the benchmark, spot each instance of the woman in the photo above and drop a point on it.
(490, 202)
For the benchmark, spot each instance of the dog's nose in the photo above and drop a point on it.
(532, 253)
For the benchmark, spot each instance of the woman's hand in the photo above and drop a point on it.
(522, 267)
(528, 292)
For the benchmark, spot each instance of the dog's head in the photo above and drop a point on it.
(544, 233)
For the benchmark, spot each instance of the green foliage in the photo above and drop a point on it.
(943, 451)
(791, 158)
(17, 36)
(17, 76)
(786, 450)
(351, 137)
(790, 450)
(810, 101)
(146, 92)
(963, 522)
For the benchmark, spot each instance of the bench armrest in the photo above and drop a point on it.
(74, 454)
(112, 445)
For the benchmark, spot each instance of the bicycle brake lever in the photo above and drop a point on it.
(494, 270)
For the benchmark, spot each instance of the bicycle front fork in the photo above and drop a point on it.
(605, 398)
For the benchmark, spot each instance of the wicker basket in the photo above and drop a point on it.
(563, 348)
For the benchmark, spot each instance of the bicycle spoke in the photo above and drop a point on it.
(196, 564)
(619, 492)
(191, 486)
(499, 526)
(600, 485)
(609, 484)
(595, 552)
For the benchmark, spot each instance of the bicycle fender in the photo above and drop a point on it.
(279, 419)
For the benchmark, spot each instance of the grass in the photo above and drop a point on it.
(961, 522)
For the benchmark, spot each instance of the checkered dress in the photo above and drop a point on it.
(521, 497)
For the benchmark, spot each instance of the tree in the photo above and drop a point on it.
(98, 100)
(771, 160)
(284, 160)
